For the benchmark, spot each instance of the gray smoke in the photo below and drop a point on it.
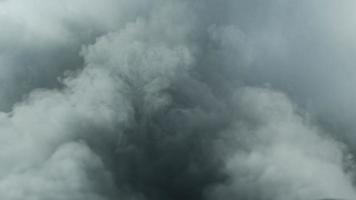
(176, 99)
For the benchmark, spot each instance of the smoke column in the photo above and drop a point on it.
(177, 100)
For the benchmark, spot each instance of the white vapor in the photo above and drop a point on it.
(283, 156)
(169, 99)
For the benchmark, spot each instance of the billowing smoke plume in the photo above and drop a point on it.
(177, 99)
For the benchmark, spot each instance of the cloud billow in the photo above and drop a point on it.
(169, 100)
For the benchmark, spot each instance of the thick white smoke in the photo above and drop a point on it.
(133, 99)
(282, 155)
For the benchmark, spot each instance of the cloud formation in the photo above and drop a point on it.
(169, 100)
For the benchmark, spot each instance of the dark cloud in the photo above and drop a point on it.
(171, 100)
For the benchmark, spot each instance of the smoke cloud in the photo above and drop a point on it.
(177, 99)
